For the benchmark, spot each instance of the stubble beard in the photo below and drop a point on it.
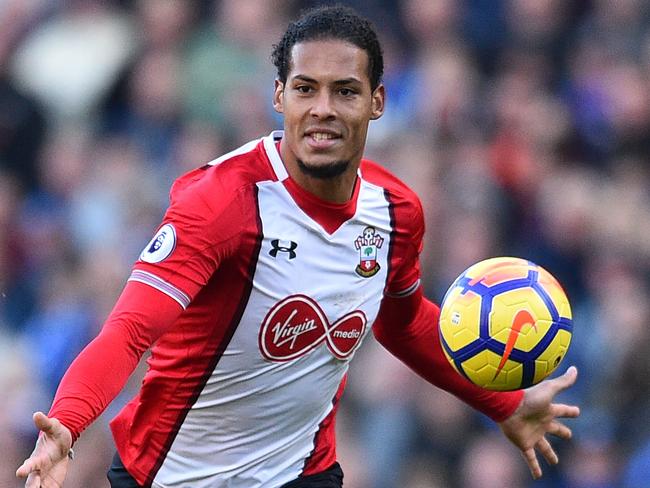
(324, 171)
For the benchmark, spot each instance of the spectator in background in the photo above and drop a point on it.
(69, 60)
(22, 119)
(228, 55)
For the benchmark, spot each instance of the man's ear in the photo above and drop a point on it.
(278, 97)
(378, 102)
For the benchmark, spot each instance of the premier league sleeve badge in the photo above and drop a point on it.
(160, 246)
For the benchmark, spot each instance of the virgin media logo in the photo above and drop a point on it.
(296, 325)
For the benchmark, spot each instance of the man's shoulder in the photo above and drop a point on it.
(224, 177)
(406, 206)
(397, 190)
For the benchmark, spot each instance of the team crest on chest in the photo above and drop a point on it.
(368, 244)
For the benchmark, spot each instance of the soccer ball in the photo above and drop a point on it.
(505, 324)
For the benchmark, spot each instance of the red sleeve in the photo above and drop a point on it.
(407, 327)
(201, 227)
(98, 374)
(408, 233)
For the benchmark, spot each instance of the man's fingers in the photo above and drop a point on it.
(43, 423)
(547, 451)
(33, 481)
(533, 463)
(560, 430)
(567, 411)
(566, 380)
(32, 465)
(26, 468)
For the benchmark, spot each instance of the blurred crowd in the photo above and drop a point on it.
(524, 126)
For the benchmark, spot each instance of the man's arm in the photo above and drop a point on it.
(408, 328)
(96, 376)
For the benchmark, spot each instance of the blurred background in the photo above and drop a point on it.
(524, 126)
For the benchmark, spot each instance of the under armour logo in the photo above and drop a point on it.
(291, 248)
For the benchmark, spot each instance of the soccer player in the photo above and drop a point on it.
(272, 264)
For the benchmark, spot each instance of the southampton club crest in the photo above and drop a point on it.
(367, 244)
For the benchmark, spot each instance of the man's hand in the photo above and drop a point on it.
(537, 416)
(48, 463)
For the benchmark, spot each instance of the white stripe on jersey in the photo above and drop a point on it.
(248, 147)
(271, 151)
(274, 157)
(404, 293)
(161, 285)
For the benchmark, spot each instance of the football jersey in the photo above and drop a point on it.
(279, 289)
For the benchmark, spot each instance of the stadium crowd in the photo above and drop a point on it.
(524, 126)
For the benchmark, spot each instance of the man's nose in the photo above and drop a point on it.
(323, 107)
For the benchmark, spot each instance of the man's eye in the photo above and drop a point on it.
(346, 92)
(303, 89)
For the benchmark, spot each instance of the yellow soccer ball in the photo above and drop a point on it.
(505, 324)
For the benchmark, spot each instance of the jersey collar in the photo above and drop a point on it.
(271, 148)
(273, 154)
(329, 215)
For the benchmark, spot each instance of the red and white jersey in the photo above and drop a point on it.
(279, 289)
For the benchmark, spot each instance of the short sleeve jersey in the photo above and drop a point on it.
(279, 288)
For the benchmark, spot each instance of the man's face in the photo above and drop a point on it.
(327, 104)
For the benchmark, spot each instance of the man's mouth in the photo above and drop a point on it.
(322, 136)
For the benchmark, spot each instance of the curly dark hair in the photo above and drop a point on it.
(331, 22)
